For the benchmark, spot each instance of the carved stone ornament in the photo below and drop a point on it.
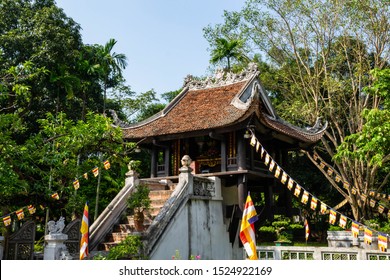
(186, 161)
(221, 78)
(56, 227)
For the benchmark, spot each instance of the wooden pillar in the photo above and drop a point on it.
(223, 156)
(241, 153)
(153, 164)
(242, 191)
(167, 156)
(269, 202)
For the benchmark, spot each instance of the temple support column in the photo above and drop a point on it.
(153, 163)
(242, 191)
(241, 153)
(167, 156)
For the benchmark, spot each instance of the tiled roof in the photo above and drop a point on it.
(212, 107)
(196, 110)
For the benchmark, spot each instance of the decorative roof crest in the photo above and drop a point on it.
(221, 78)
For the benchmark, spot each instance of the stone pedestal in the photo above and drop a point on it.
(55, 248)
(1, 247)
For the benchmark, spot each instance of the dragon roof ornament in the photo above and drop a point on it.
(221, 78)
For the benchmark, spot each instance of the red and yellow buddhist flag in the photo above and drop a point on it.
(372, 193)
(297, 190)
(355, 229)
(343, 221)
(107, 165)
(367, 236)
(315, 156)
(262, 152)
(76, 184)
(247, 229)
(381, 209)
(332, 217)
(84, 230)
(346, 185)
(290, 184)
(20, 214)
(330, 171)
(313, 203)
(31, 209)
(85, 176)
(338, 178)
(305, 197)
(284, 178)
(271, 165)
(323, 208)
(257, 146)
(363, 197)
(55, 196)
(7, 221)
(372, 203)
(307, 230)
(253, 141)
(354, 191)
(382, 242)
(277, 171)
(95, 171)
(267, 159)
(322, 164)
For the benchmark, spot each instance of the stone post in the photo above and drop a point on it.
(1, 247)
(185, 173)
(55, 248)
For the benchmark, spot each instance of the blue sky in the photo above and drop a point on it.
(162, 39)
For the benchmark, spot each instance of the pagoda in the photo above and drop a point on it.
(209, 121)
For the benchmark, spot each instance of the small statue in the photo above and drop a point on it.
(186, 161)
(56, 227)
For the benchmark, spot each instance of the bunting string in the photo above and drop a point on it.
(308, 198)
(7, 219)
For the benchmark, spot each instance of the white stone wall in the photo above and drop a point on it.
(198, 228)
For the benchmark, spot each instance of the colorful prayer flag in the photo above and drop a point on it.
(95, 171)
(330, 171)
(346, 185)
(343, 221)
(315, 156)
(332, 217)
(367, 236)
(338, 178)
(7, 221)
(20, 214)
(247, 229)
(55, 196)
(381, 208)
(284, 178)
(257, 146)
(85, 176)
(355, 229)
(354, 191)
(253, 141)
(372, 203)
(322, 164)
(76, 184)
(313, 203)
(107, 164)
(382, 242)
(262, 152)
(297, 190)
(277, 171)
(271, 165)
(372, 193)
(84, 230)
(305, 197)
(323, 208)
(307, 230)
(290, 184)
(363, 197)
(31, 209)
(267, 158)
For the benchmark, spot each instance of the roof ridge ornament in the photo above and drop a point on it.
(220, 78)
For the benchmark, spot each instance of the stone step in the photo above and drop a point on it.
(116, 237)
(156, 195)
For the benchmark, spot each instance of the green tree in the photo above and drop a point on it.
(321, 54)
(111, 64)
(229, 50)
